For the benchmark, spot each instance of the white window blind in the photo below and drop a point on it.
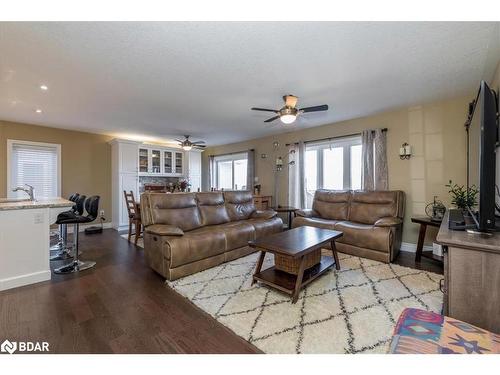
(36, 165)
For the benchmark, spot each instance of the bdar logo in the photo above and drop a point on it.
(8, 347)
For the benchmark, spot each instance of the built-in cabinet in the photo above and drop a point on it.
(131, 160)
(193, 166)
(160, 161)
(125, 176)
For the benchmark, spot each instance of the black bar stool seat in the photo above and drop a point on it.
(76, 218)
(62, 249)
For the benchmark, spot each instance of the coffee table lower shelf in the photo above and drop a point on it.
(285, 282)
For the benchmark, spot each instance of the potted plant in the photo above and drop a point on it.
(461, 196)
(182, 185)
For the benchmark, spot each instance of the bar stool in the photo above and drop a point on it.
(59, 231)
(62, 247)
(92, 208)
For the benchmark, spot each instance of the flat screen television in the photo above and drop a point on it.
(481, 160)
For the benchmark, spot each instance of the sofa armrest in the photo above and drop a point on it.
(266, 214)
(306, 212)
(388, 222)
(164, 230)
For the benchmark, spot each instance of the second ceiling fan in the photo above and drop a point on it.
(288, 114)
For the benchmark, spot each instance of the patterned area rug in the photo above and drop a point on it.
(353, 310)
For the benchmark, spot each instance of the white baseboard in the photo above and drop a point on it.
(122, 228)
(30, 278)
(94, 224)
(412, 247)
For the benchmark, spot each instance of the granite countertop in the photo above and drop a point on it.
(11, 204)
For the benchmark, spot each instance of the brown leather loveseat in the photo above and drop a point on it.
(372, 221)
(189, 232)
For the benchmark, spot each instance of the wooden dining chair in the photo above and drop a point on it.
(134, 216)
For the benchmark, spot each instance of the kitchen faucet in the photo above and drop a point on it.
(28, 190)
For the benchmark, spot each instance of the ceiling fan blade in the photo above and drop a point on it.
(272, 119)
(317, 108)
(290, 100)
(198, 142)
(199, 146)
(178, 140)
(264, 109)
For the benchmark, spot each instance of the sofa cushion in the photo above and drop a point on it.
(237, 234)
(365, 235)
(265, 214)
(239, 204)
(164, 230)
(306, 212)
(369, 206)
(388, 222)
(179, 210)
(212, 208)
(314, 222)
(331, 204)
(195, 245)
(265, 227)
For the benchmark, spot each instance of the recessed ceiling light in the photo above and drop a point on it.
(44, 87)
(38, 110)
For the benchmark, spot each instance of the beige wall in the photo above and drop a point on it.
(86, 159)
(435, 131)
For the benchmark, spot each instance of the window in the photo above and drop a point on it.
(334, 164)
(231, 172)
(36, 164)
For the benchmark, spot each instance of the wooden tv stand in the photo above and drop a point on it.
(471, 276)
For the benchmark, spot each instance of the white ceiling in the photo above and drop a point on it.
(167, 79)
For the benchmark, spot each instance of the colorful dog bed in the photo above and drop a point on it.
(423, 332)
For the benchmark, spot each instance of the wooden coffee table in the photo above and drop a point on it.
(296, 243)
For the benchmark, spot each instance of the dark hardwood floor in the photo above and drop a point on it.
(120, 306)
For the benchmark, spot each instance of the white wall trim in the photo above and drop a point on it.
(27, 279)
(412, 247)
(94, 224)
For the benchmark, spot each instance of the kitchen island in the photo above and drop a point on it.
(25, 239)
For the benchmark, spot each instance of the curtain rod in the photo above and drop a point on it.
(331, 138)
(233, 153)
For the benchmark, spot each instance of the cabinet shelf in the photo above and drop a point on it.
(161, 162)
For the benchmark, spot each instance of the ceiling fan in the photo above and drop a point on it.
(288, 114)
(187, 145)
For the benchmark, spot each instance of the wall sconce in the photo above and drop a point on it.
(279, 163)
(405, 151)
(263, 156)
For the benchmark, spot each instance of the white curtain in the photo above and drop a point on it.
(374, 174)
(367, 182)
(381, 175)
(296, 176)
(250, 170)
(211, 172)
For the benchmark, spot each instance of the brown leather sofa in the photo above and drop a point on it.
(372, 221)
(189, 232)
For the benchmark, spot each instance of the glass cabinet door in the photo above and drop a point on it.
(168, 162)
(143, 160)
(178, 162)
(155, 161)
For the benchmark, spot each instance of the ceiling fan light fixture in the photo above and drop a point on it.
(288, 119)
(187, 147)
